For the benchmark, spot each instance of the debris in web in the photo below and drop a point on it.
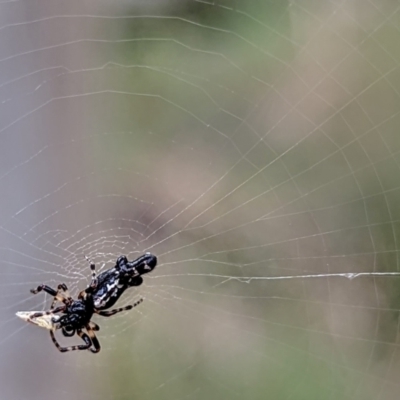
(47, 321)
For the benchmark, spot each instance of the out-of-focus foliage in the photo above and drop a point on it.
(240, 141)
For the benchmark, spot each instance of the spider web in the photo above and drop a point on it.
(253, 147)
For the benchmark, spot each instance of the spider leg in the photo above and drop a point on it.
(94, 326)
(117, 310)
(81, 334)
(46, 288)
(93, 338)
(93, 283)
(52, 292)
(62, 287)
(62, 293)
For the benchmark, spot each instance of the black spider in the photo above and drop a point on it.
(102, 293)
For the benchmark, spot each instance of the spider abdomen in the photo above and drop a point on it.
(108, 291)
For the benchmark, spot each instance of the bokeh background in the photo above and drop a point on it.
(253, 146)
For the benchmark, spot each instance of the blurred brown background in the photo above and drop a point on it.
(247, 144)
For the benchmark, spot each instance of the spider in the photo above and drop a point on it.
(102, 293)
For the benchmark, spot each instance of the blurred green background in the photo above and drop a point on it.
(253, 147)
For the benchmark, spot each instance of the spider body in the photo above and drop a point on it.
(76, 315)
(112, 283)
(102, 293)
